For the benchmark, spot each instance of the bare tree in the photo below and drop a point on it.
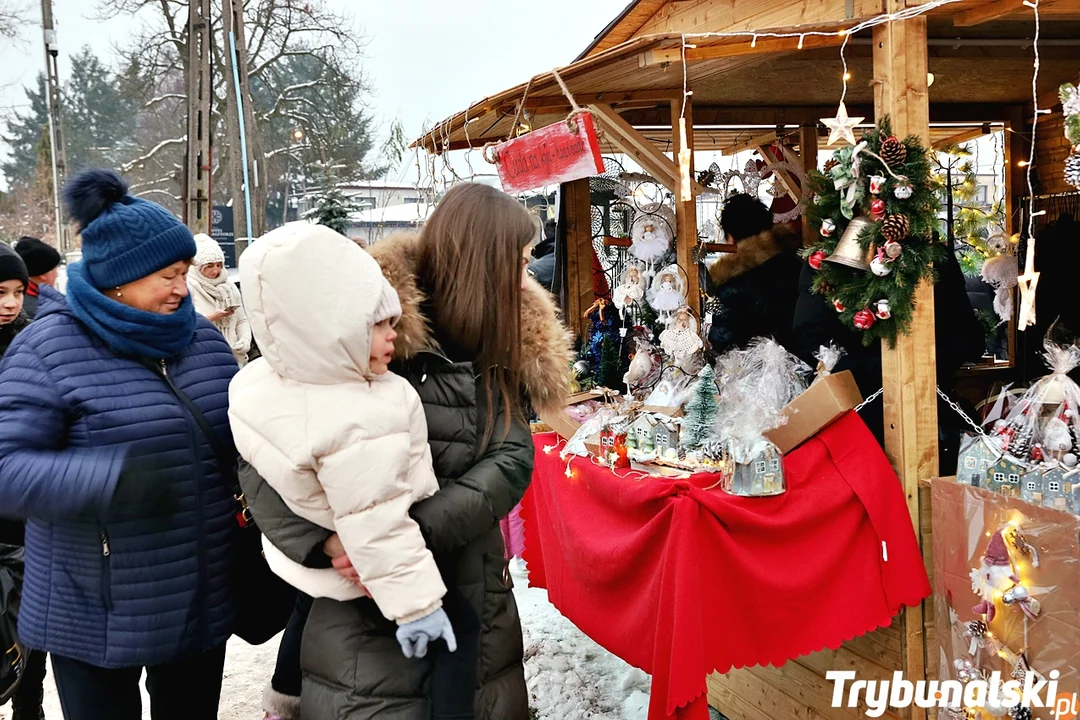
(14, 17)
(304, 61)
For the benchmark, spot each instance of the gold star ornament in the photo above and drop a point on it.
(842, 126)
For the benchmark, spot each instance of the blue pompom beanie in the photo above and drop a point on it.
(124, 238)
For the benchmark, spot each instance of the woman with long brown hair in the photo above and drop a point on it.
(479, 340)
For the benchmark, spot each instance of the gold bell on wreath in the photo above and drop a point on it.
(848, 251)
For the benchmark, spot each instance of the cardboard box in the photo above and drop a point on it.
(563, 424)
(824, 402)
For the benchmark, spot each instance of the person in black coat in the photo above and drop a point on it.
(958, 339)
(757, 285)
(14, 279)
(42, 263)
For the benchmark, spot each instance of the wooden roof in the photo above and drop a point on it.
(980, 70)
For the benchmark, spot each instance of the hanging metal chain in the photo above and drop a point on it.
(956, 408)
(869, 400)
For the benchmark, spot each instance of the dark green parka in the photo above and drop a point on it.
(353, 665)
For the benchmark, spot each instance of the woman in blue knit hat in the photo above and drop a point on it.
(129, 522)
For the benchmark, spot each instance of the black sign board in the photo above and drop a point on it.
(221, 229)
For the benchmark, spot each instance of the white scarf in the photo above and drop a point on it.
(221, 294)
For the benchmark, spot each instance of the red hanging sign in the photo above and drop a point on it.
(558, 153)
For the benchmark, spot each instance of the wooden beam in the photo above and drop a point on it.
(629, 140)
(998, 9)
(786, 181)
(909, 370)
(748, 46)
(808, 147)
(610, 98)
(962, 137)
(579, 253)
(686, 227)
(1017, 149)
(766, 139)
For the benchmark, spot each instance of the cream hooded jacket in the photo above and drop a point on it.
(345, 449)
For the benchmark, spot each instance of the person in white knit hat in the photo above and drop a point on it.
(217, 299)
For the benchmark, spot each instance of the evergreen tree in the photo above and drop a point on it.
(332, 209)
(701, 410)
(24, 135)
(99, 120)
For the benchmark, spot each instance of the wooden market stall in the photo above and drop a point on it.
(944, 75)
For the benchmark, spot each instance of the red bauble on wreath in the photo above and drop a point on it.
(877, 209)
(816, 259)
(864, 320)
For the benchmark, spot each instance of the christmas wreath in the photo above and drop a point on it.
(884, 184)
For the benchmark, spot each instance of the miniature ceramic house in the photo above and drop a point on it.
(1056, 488)
(666, 437)
(1004, 475)
(1031, 486)
(642, 430)
(976, 457)
(762, 476)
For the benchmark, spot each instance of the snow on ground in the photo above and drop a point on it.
(569, 676)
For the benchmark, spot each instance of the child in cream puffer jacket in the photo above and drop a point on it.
(338, 436)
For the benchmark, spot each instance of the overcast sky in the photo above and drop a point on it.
(426, 58)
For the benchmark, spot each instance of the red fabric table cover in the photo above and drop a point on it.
(681, 581)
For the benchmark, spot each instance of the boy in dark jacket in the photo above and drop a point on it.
(42, 264)
(756, 286)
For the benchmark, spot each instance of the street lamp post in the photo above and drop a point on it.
(297, 137)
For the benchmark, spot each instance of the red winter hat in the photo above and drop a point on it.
(996, 552)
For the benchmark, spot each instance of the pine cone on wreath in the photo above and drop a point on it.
(830, 164)
(1020, 713)
(893, 152)
(895, 227)
(1072, 169)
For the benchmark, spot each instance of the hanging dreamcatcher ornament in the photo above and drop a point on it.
(1070, 103)
(899, 251)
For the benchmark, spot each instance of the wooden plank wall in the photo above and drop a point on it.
(577, 213)
(1052, 148)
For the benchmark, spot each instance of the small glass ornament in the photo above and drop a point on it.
(864, 320)
(817, 258)
(877, 209)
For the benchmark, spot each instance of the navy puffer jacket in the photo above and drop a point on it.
(105, 587)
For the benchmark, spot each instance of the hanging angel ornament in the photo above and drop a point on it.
(631, 288)
(996, 576)
(668, 292)
(651, 234)
(681, 340)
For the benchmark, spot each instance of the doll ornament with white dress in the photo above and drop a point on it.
(631, 290)
(668, 293)
(651, 234)
(681, 340)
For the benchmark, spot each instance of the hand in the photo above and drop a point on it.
(341, 562)
(143, 489)
(414, 637)
(219, 315)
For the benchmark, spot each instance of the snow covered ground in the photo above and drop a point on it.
(569, 676)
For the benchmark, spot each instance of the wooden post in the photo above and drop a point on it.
(197, 169)
(579, 252)
(808, 147)
(686, 238)
(909, 374)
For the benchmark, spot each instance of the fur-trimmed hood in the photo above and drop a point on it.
(753, 252)
(546, 352)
